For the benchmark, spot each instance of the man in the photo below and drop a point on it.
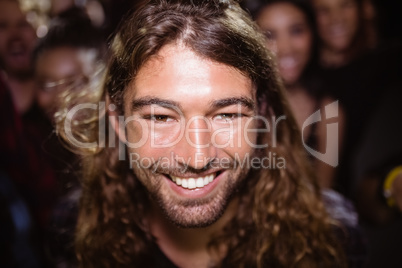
(66, 62)
(67, 58)
(191, 91)
(33, 176)
(17, 41)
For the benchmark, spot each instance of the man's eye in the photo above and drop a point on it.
(159, 118)
(227, 116)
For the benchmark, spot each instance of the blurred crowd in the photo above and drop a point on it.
(340, 63)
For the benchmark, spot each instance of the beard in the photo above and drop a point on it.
(22, 72)
(191, 213)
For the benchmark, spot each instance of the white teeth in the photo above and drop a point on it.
(287, 62)
(192, 183)
(200, 182)
(337, 30)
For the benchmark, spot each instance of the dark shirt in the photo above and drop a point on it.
(359, 87)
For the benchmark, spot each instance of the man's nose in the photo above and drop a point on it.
(195, 149)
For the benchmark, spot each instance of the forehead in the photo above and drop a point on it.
(178, 73)
(10, 11)
(59, 62)
(331, 2)
(280, 13)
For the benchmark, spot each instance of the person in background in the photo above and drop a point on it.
(378, 185)
(290, 29)
(363, 71)
(19, 244)
(93, 8)
(26, 182)
(356, 69)
(67, 62)
(342, 32)
(67, 58)
(17, 42)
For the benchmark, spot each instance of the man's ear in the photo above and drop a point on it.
(114, 120)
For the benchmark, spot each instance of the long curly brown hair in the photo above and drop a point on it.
(281, 221)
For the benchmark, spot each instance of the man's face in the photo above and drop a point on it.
(190, 130)
(17, 39)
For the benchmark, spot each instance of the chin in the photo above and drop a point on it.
(196, 213)
(195, 217)
(340, 45)
(289, 82)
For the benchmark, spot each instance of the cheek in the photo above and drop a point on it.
(152, 141)
(29, 35)
(272, 46)
(141, 153)
(166, 136)
(303, 45)
(353, 18)
(226, 136)
(140, 132)
(240, 140)
(45, 100)
(323, 21)
(2, 41)
(136, 132)
(29, 38)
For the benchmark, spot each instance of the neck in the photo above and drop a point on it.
(188, 247)
(332, 58)
(292, 88)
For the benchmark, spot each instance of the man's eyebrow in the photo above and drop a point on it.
(243, 101)
(146, 101)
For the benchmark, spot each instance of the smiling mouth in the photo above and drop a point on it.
(337, 31)
(287, 62)
(194, 182)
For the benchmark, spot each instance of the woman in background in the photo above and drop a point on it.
(290, 30)
(342, 31)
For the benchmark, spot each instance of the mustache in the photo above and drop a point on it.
(178, 168)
